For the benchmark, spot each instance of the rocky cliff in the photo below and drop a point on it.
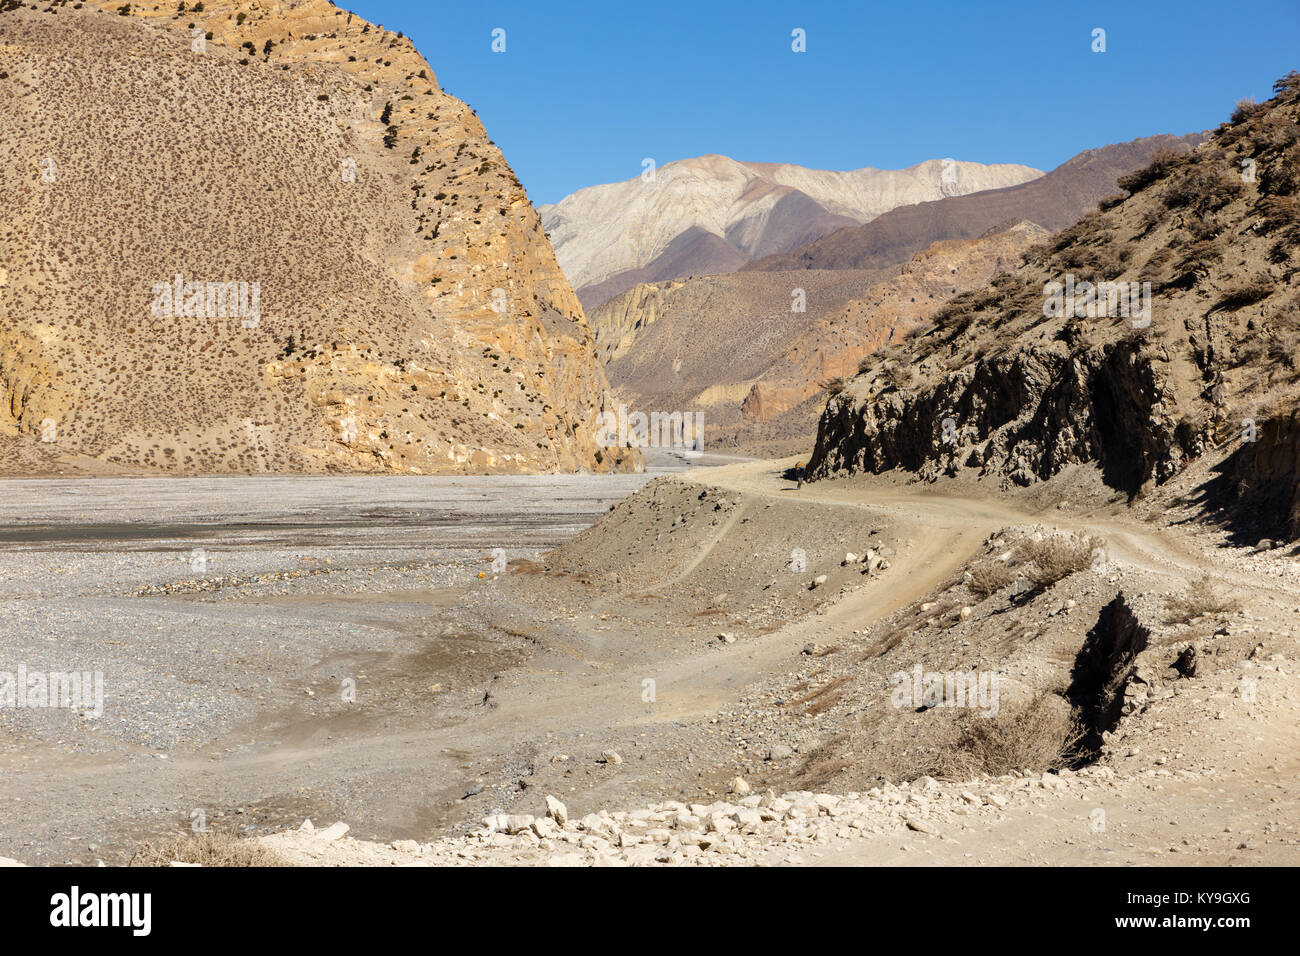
(258, 236)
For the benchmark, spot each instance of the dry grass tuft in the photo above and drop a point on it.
(206, 849)
(1047, 561)
(1200, 599)
(1040, 736)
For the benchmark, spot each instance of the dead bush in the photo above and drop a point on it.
(1248, 293)
(1045, 562)
(898, 376)
(990, 577)
(1040, 736)
(1198, 600)
(1204, 188)
(206, 849)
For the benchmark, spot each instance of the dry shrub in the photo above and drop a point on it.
(822, 764)
(206, 849)
(1045, 562)
(899, 376)
(1161, 164)
(1278, 212)
(1247, 293)
(820, 695)
(1200, 599)
(1040, 736)
(1204, 188)
(1154, 270)
(990, 577)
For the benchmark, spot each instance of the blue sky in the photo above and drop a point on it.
(585, 91)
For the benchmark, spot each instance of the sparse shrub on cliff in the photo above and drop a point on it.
(1204, 189)
(1244, 110)
(832, 386)
(1248, 293)
(990, 577)
(1160, 166)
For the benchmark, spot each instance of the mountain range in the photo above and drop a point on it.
(714, 214)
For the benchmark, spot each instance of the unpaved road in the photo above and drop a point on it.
(460, 690)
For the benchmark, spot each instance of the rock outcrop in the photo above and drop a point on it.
(259, 237)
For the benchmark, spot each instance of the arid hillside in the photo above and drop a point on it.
(1016, 381)
(1053, 201)
(699, 344)
(258, 237)
(831, 348)
(661, 341)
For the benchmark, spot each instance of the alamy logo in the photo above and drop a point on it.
(74, 908)
(682, 431)
(1087, 300)
(69, 690)
(208, 300)
(975, 689)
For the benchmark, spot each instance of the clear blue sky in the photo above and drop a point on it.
(586, 90)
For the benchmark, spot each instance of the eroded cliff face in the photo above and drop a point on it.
(407, 313)
(1034, 411)
(1009, 383)
(1259, 491)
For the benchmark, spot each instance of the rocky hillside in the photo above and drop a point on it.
(831, 348)
(661, 341)
(1018, 380)
(401, 307)
(1053, 201)
(713, 214)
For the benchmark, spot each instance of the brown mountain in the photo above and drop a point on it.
(1020, 380)
(662, 342)
(259, 237)
(1053, 201)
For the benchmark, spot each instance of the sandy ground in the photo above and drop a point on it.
(479, 695)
